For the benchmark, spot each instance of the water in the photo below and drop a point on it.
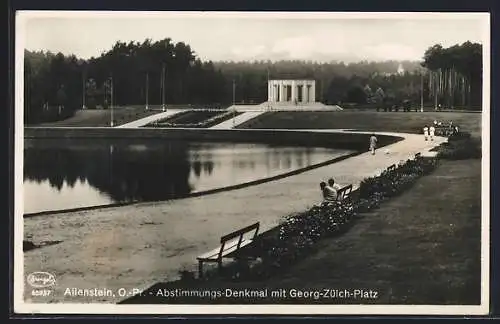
(62, 174)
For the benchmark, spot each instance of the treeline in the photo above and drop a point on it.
(166, 72)
(335, 81)
(127, 74)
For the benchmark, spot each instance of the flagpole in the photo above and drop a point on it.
(83, 88)
(234, 95)
(163, 87)
(147, 90)
(268, 90)
(111, 90)
(422, 92)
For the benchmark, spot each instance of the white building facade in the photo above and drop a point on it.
(291, 91)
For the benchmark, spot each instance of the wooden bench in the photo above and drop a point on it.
(344, 193)
(230, 245)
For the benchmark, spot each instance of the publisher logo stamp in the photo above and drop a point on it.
(41, 279)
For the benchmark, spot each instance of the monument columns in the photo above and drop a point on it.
(313, 92)
(285, 91)
(290, 90)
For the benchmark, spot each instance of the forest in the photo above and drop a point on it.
(135, 73)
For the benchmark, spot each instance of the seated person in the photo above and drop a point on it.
(333, 185)
(329, 194)
(336, 187)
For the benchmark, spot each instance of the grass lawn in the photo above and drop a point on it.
(102, 117)
(414, 249)
(407, 122)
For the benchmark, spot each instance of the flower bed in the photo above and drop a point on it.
(297, 235)
(372, 191)
(170, 119)
(208, 118)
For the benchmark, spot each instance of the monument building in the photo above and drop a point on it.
(291, 91)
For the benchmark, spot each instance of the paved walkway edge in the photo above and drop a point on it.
(149, 119)
(238, 120)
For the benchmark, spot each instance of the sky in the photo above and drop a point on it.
(256, 36)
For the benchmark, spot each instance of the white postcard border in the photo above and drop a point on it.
(22, 307)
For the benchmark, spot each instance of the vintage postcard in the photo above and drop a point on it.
(252, 163)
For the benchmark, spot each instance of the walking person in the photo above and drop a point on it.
(426, 132)
(373, 143)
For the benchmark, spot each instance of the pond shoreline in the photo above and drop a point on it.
(337, 139)
(318, 138)
(199, 193)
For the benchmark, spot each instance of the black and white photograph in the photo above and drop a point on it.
(274, 163)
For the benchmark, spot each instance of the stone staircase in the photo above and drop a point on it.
(287, 106)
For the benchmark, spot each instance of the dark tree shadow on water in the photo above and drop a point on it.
(121, 171)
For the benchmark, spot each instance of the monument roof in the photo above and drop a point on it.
(292, 78)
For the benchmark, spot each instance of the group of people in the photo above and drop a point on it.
(452, 128)
(429, 131)
(329, 190)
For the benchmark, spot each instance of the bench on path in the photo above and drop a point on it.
(230, 246)
(344, 193)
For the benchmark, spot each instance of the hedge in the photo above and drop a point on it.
(460, 146)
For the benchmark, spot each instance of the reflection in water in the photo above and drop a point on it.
(68, 174)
